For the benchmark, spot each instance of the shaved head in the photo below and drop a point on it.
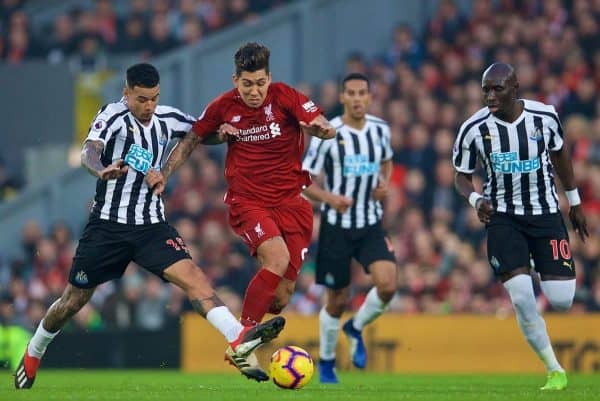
(500, 72)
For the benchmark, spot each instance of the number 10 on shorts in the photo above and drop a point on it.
(561, 246)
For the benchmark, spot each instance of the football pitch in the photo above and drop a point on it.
(165, 385)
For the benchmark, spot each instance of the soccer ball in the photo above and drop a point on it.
(291, 367)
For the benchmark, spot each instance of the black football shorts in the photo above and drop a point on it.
(337, 246)
(106, 248)
(515, 241)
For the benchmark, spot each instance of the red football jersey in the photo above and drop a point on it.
(265, 164)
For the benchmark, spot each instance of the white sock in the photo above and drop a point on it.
(560, 293)
(371, 309)
(531, 323)
(40, 340)
(329, 327)
(222, 319)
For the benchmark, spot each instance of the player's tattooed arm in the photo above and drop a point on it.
(180, 153)
(157, 180)
(90, 159)
(202, 306)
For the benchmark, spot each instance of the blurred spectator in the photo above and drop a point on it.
(161, 39)
(62, 41)
(405, 48)
(90, 56)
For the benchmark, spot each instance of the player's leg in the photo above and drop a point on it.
(376, 253)
(161, 251)
(257, 228)
(329, 329)
(385, 282)
(294, 221)
(519, 285)
(333, 259)
(261, 294)
(70, 302)
(552, 258)
(243, 340)
(101, 255)
(508, 252)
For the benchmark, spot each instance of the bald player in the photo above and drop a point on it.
(520, 144)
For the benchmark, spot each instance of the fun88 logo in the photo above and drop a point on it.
(139, 158)
(509, 163)
(357, 165)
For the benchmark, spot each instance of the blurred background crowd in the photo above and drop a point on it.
(425, 84)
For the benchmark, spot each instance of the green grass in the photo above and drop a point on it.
(129, 385)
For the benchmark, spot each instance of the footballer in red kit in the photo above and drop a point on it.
(264, 161)
(263, 124)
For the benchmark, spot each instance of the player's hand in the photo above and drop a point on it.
(156, 181)
(381, 191)
(227, 132)
(485, 210)
(340, 203)
(319, 127)
(578, 221)
(115, 170)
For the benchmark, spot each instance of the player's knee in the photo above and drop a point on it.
(336, 304)
(386, 291)
(386, 295)
(560, 303)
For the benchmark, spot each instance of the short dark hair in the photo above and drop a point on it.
(143, 74)
(355, 75)
(252, 57)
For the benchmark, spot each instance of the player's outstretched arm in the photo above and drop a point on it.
(180, 153)
(319, 127)
(90, 159)
(464, 185)
(564, 169)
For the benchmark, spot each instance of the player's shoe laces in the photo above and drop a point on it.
(327, 371)
(25, 373)
(240, 351)
(358, 352)
(557, 380)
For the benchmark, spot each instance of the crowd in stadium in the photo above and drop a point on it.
(424, 84)
(84, 36)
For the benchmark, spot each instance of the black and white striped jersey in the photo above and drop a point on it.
(128, 199)
(520, 178)
(351, 163)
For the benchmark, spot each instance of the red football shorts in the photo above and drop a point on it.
(292, 221)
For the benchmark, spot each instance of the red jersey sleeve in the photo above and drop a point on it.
(210, 119)
(301, 107)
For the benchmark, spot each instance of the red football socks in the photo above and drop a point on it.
(259, 296)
